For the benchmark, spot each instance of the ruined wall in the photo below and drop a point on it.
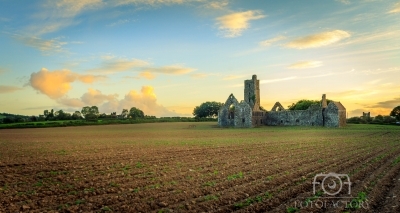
(240, 117)
(258, 118)
(335, 115)
(244, 115)
(310, 117)
(252, 89)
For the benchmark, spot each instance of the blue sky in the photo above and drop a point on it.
(168, 56)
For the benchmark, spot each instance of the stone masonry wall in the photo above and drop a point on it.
(310, 117)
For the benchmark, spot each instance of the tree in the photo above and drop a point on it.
(59, 115)
(304, 104)
(377, 119)
(396, 113)
(207, 109)
(388, 119)
(124, 113)
(93, 111)
(77, 115)
(136, 113)
(103, 115)
(49, 115)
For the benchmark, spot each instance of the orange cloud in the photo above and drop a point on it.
(146, 100)
(56, 84)
(95, 97)
(318, 40)
(147, 75)
(233, 24)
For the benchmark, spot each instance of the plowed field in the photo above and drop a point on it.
(165, 167)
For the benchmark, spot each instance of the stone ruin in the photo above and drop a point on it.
(247, 113)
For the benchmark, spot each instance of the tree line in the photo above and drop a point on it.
(87, 113)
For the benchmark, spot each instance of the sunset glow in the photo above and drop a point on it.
(168, 56)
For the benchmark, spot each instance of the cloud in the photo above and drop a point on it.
(147, 75)
(318, 40)
(72, 7)
(396, 8)
(217, 5)
(388, 104)
(152, 2)
(95, 97)
(71, 102)
(112, 65)
(232, 25)
(91, 98)
(269, 42)
(8, 89)
(56, 84)
(374, 112)
(170, 70)
(145, 100)
(46, 46)
(344, 1)
(305, 64)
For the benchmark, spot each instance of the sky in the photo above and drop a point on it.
(167, 56)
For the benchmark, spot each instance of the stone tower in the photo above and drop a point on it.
(252, 93)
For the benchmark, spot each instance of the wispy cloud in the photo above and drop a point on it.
(8, 89)
(217, 5)
(388, 104)
(55, 84)
(395, 8)
(171, 70)
(232, 25)
(305, 64)
(152, 2)
(72, 7)
(58, 14)
(46, 46)
(344, 1)
(111, 64)
(318, 40)
(270, 41)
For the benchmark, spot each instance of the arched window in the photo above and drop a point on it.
(231, 112)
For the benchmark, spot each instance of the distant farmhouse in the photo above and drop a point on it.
(247, 113)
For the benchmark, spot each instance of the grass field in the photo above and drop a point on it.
(162, 167)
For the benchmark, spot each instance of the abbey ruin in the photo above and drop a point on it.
(247, 113)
